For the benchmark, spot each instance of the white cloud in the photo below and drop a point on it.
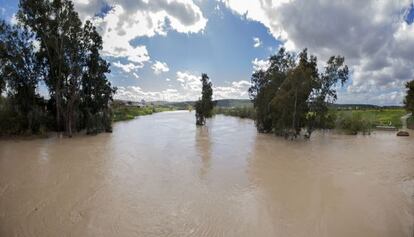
(168, 79)
(135, 75)
(160, 67)
(260, 64)
(257, 42)
(127, 67)
(377, 43)
(237, 90)
(127, 20)
(189, 82)
(188, 90)
(136, 93)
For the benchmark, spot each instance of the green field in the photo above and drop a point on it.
(121, 113)
(374, 117)
(377, 117)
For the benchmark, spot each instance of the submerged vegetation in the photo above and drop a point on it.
(122, 112)
(350, 121)
(291, 94)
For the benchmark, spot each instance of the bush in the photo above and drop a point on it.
(352, 123)
(14, 122)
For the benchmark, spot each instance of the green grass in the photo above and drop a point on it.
(377, 117)
(122, 113)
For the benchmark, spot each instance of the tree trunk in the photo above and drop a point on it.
(57, 98)
(294, 112)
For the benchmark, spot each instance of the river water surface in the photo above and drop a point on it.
(160, 175)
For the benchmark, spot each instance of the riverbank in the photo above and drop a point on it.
(355, 120)
(123, 112)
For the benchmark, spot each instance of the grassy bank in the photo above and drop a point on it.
(122, 112)
(351, 121)
(376, 117)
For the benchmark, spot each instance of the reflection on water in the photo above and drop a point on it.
(203, 144)
(160, 175)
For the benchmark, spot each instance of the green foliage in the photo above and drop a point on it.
(289, 96)
(23, 111)
(121, 112)
(204, 106)
(378, 117)
(352, 123)
(67, 61)
(409, 98)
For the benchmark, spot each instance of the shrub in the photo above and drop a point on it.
(352, 123)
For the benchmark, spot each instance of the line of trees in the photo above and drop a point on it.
(204, 105)
(51, 46)
(292, 95)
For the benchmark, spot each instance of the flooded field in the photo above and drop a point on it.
(160, 175)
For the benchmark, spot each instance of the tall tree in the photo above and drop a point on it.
(409, 98)
(96, 89)
(58, 28)
(265, 84)
(204, 106)
(325, 92)
(289, 106)
(289, 96)
(20, 71)
(70, 53)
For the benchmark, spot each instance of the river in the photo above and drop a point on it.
(160, 175)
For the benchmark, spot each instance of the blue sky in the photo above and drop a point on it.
(159, 48)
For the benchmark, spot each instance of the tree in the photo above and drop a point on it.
(69, 53)
(20, 73)
(335, 72)
(96, 89)
(409, 98)
(59, 30)
(289, 96)
(289, 106)
(265, 84)
(204, 106)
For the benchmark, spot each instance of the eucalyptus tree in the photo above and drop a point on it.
(69, 52)
(96, 91)
(20, 73)
(291, 94)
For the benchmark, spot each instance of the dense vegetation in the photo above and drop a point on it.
(122, 112)
(50, 45)
(351, 121)
(204, 106)
(291, 94)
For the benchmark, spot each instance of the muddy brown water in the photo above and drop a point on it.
(160, 175)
